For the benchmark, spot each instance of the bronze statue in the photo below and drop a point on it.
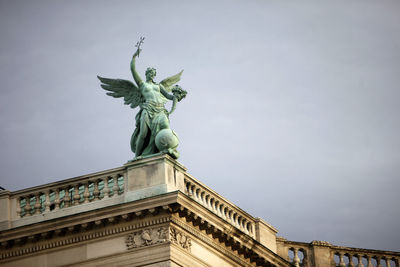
(152, 134)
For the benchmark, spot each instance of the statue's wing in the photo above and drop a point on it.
(122, 88)
(168, 82)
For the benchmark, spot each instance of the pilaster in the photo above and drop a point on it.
(5, 214)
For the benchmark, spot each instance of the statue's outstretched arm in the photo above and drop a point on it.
(165, 93)
(135, 75)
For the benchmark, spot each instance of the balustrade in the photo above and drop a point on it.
(218, 206)
(299, 252)
(67, 194)
(377, 259)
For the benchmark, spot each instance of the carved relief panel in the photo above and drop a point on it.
(152, 236)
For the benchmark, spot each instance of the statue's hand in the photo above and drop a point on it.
(178, 92)
(137, 53)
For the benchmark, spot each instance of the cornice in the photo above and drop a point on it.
(225, 233)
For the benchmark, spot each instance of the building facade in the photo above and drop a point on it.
(151, 212)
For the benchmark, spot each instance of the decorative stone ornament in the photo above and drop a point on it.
(152, 236)
(147, 237)
(180, 239)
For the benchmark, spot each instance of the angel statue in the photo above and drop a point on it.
(152, 134)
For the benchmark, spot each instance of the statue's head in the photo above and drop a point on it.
(150, 74)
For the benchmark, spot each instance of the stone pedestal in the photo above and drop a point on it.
(153, 176)
(266, 234)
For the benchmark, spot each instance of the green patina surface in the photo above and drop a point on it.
(152, 134)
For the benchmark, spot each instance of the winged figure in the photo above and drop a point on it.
(152, 134)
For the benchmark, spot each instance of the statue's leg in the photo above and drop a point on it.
(164, 123)
(144, 129)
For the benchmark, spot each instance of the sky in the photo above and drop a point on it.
(292, 110)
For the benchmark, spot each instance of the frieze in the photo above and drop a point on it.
(7, 251)
(147, 237)
(152, 236)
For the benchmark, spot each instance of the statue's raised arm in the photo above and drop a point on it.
(135, 75)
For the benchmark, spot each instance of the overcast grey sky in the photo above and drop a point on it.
(292, 110)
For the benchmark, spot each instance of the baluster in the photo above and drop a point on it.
(208, 201)
(192, 191)
(106, 190)
(96, 192)
(123, 184)
(245, 222)
(77, 197)
(238, 220)
(233, 218)
(57, 199)
(351, 263)
(67, 198)
(223, 215)
(37, 203)
(296, 259)
(360, 264)
(217, 208)
(86, 193)
(251, 229)
(341, 260)
(369, 261)
(189, 189)
(47, 201)
(397, 262)
(378, 261)
(230, 216)
(115, 187)
(242, 224)
(19, 208)
(201, 196)
(247, 226)
(28, 207)
(387, 261)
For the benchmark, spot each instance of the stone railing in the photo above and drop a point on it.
(62, 198)
(322, 253)
(219, 206)
(345, 256)
(72, 192)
